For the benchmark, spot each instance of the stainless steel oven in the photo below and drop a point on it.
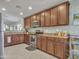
(32, 40)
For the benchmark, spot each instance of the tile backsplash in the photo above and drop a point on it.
(69, 29)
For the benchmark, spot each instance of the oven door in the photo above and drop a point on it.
(33, 40)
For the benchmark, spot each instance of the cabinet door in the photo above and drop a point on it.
(38, 19)
(5, 40)
(6, 43)
(33, 18)
(47, 18)
(51, 45)
(26, 38)
(15, 39)
(54, 16)
(63, 14)
(27, 22)
(44, 42)
(60, 50)
(38, 43)
(42, 19)
(21, 38)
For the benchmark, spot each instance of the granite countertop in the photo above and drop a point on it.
(10, 33)
(51, 35)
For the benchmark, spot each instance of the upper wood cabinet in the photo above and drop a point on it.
(38, 19)
(27, 22)
(63, 14)
(54, 16)
(47, 17)
(33, 18)
(42, 20)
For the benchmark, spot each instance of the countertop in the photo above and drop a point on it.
(45, 34)
(10, 33)
(51, 35)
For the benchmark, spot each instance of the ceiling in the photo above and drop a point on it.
(37, 6)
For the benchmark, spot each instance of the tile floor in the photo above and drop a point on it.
(19, 52)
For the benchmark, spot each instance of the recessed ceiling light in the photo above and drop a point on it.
(30, 8)
(21, 13)
(3, 9)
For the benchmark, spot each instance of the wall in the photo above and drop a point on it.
(72, 29)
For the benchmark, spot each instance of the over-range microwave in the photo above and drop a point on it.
(35, 24)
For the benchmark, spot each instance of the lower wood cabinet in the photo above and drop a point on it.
(43, 43)
(6, 41)
(50, 45)
(53, 46)
(17, 38)
(26, 38)
(60, 50)
(14, 39)
(39, 45)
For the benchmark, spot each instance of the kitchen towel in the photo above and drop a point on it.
(9, 39)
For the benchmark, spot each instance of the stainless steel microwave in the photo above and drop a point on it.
(35, 24)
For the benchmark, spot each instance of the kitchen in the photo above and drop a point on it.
(39, 33)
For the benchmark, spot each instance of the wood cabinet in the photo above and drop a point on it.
(53, 45)
(60, 50)
(38, 19)
(6, 43)
(21, 38)
(15, 39)
(42, 20)
(63, 14)
(27, 22)
(33, 18)
(39, 45)
(47, 17)
(26, 38)
(54, 16)
(43, 43)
